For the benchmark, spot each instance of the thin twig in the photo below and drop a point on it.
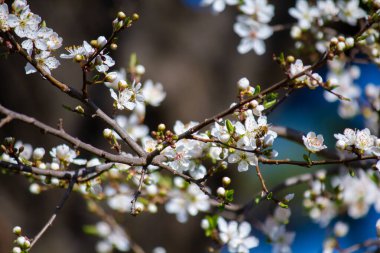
(366, 244)
(262, 181)
(313, 163)
(56, 211)
(5, 121)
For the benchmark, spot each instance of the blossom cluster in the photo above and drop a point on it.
(352, 194)
(38, 39)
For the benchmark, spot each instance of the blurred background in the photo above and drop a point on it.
(193, 54)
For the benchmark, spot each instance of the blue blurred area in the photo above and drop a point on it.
(307, 110)
(192, 3)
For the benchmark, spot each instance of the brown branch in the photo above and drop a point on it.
(134, 211)
(74, 141)
(82, 173)
(296, 136)
(366, 244)
(5, 120)
(262, 181)
(316, 163)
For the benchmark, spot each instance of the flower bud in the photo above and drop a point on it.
(334, 41)
(350, 42)
(111, 77)
(205, 224)
(17, 230)
(340, 229)
(107, 133)
(243, 83)
(35, 188)
(140, 69)
(340, 144)
(54, 166)
(226, 181)
(135, 16)
(16, 250)
(152, 208)
(101, 41)
(341, 46)
(139, 207)
(122, 84)
(121, 15)
(161, 127)
(221, 192)
(38, 153)
(113, 46)
(94, 43)
(78, 58)
(20, 241)
(290, 59)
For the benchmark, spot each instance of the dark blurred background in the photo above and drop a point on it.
(193, 54)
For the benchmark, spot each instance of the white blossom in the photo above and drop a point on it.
(262, 11)
(44, 61)
(26, 24)
(64, 154)
(350, 11)
(187, 203)
(4, 12)
(237, 236)
(304, 13)
(219, 5)
(153, 94)
(252, 33)
(313, 142)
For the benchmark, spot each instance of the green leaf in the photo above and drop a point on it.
(229, 195)
(132, 60)
(352, 172)
(268, 104)
(230, 127)
(95, 78)
(269, 196)
(307, 158)
(257, 199)
(257, 90)
(283, 205)
(90, 230)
